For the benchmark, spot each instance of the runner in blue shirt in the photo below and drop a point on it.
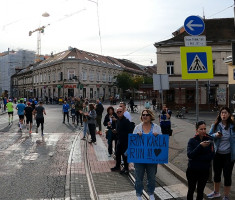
(20, 107)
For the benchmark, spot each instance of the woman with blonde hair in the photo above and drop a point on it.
(146, 127)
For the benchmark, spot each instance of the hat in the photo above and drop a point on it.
(28, 103)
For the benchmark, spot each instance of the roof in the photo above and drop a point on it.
(131, 66)
(219, 31)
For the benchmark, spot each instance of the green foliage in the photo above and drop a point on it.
(137, 81)
(148, 80)
(123, 80)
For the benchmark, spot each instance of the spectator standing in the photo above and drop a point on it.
(200, 152)
(126, 113)
(85, 120)
(99, 111)
(10, 110)
(154, 103)
(147, 105)
(146, 127)
(123, 129)
(110, 122)
(223, 132)
(73, 113)
(131, 103)
(65, 111)
(91, 116)
(78, 109)
(165, 120)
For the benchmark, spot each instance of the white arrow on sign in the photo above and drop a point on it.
(190, 25)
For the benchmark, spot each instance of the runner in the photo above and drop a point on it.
(28, 111)
(40, 110)
(10, 111)
(20, 107)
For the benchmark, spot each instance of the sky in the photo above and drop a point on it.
(125, 29)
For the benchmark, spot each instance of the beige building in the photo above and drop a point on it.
(69, 73)
(219, 33)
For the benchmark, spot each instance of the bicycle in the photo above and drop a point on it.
(135, 109)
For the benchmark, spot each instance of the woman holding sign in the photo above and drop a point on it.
(146, 127)
(200, 152)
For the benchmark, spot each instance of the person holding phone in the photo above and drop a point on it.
(200, 152)
(223, 133)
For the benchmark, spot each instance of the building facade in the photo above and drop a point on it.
(9, 62)
(67, 74)
(219, 33)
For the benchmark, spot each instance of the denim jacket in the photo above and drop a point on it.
(217, 140)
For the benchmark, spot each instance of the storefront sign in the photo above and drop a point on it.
(69, 86)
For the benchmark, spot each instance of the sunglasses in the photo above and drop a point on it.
(119, 111)
(145, 115)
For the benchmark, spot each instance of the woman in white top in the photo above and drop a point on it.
(146, 127)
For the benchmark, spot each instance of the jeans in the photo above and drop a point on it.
(85, 128)
(196, 178)
(151, 170)
(98, 121)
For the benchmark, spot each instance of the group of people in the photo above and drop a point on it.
(219, 147)
(33, 110)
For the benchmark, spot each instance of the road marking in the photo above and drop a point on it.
(167, 192)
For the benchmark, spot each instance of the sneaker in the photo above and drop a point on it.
(213, 195)
(115, 169)
(36, 129)
(84, 138)
(109, 155)
(225, 198)
(42, 133)
(95, 143)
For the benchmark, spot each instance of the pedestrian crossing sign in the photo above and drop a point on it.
(196, 62)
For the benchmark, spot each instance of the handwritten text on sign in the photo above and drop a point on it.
(148, 148)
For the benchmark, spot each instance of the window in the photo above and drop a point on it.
(98, 76)
(84, 75)
(170, 67)
(41, 78)
(110, 78)
(49, 77)
(45, 77)
(104, 77)
(34, 79)
(37, 78)
(71, 74)
(91, 77)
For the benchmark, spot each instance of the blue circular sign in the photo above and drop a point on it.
(194, 25)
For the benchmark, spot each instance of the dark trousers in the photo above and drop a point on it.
(111, 138)
(196, 178)
(98, 121)
(66, 113)
(40, 121)
(120, 152)
(222, 162)
(79, 116)
(92, 132)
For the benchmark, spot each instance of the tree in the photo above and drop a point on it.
(137, 81)
(123, 80)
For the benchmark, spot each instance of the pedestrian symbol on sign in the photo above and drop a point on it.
(197, 62)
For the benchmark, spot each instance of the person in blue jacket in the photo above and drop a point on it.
(66, 111)
(223, 132)
(200, 152)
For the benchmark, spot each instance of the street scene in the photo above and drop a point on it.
(53, 167)
(117, 100)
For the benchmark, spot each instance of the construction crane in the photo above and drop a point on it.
(39, 30)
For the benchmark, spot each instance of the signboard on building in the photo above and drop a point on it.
(196, 62)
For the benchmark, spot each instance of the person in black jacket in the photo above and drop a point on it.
(110, 122)
(99, 110)
(124, 127)
(200, 152)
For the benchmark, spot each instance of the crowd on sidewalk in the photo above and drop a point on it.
(217, 147)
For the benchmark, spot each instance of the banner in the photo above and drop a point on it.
(148, 148)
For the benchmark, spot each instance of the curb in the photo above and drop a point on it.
(181, 175)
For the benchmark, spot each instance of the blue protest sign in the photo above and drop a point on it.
(148, 148)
